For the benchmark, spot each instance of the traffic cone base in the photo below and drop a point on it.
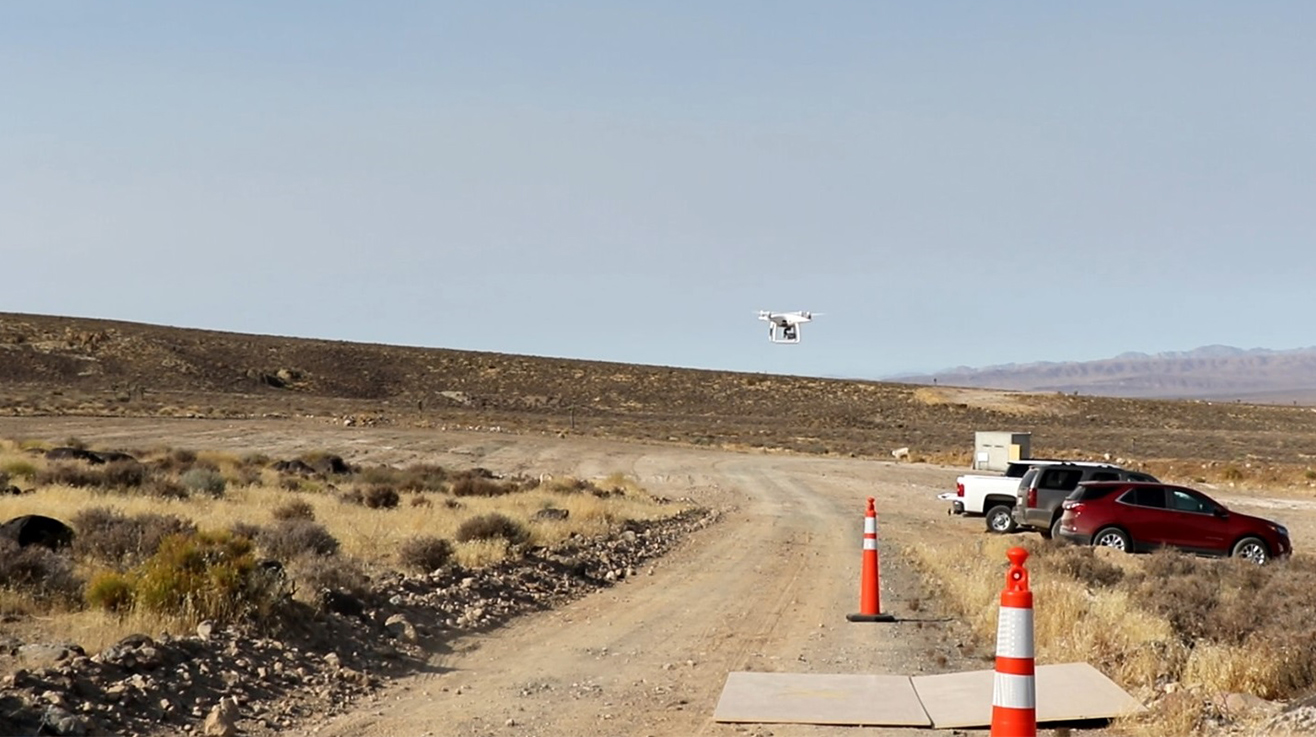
(871, 617)
(870, 588)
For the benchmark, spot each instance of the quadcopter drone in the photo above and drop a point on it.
(785, 326)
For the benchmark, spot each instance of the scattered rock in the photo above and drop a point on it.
(222, 721)
(551, 513)
(398, 626)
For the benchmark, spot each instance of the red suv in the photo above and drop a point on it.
(1136, 517)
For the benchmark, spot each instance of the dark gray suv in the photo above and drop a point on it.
(1043, 489)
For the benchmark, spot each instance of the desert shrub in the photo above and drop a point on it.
(245, 529)
(292, 538)
(246, 476)
(379, 475)
(352, 496)
(123, 475)
(425, 553)
(203, 575)
(381, 497)
(1217, 601)
(114, 538)
(37, 572)
(288, 483)
(164, 488)
(204, 480)
(110, 591)
(295, 509)
(423, 477)
(19, 468)
(1232, 473)
(182, 456)
(1080, 563)
(335, 573)
(67, 474)
(420, 500)
(478, 486)
(491, 526)
(4, 478)
(254, 460)
(75, 442)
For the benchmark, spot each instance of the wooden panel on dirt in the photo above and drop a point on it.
(813, 698)
(1069, 692)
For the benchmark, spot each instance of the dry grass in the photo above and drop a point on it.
(369, 538)
(1212, 626)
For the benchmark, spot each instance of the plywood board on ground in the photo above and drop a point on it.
(1065, 693)
(818, 698)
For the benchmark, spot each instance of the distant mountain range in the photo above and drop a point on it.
(1218, 372)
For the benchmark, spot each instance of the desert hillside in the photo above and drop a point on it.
(1211, 372)
(74, 366)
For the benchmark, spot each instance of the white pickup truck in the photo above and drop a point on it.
(991, 496)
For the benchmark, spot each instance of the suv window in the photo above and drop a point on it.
(1085, 493)
(1182, 501)
(1020, 469)
(1027, 480)
(1105, 476)
(1145, 496)
(1142, 477)
(1064, 479)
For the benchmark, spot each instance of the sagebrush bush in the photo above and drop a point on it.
(1080, 563)
(479, 486)
(110, 591)
(203, 575)
(38, 572)
(118, 540)
(295, 509)
(246, 529)
(289, 539)
(423, 477)
(335, 573)
(381, 497)
(164, 488)
(68, 474)
(244, 476)
(492, 526)
(425, 553)
(123, 475)
(204, 480)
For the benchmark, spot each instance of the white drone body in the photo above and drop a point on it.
(785, 326)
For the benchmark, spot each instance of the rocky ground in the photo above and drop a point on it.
(263, 678)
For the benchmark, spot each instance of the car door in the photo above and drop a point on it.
(1144, 516)
(1054, 484)
(1198, 526)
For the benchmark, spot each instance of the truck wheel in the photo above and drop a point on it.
(1000, 519)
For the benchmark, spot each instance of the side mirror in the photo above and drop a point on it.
(1221, 512)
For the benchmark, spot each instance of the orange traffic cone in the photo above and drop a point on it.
(1014, 694)
(870, 596)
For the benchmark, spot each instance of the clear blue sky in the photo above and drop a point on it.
(952, 183)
